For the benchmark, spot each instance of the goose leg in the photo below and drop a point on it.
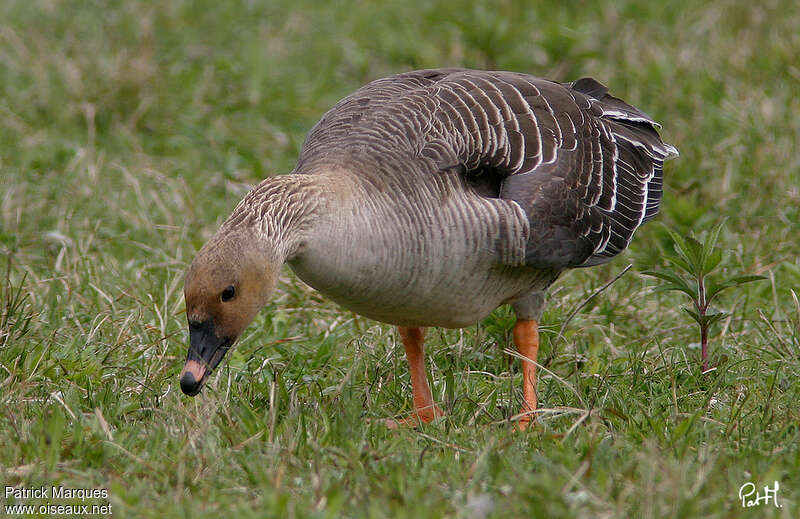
(526, 337)
(425, 410)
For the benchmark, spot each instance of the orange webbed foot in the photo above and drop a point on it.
(424, 415)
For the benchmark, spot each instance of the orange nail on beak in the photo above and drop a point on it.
(192, 377)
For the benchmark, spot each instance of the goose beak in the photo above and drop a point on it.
(206, 350)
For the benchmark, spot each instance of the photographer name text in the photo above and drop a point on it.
(17, 496)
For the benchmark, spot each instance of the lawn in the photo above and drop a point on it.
(128, 132)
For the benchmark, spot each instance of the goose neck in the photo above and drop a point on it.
(279, 212)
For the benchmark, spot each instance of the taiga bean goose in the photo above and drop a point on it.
(430, 198)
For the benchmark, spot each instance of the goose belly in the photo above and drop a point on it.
(420, 253)
(446, 291)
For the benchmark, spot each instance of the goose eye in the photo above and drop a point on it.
(228, 293)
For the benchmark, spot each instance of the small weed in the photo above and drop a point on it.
(692, 263)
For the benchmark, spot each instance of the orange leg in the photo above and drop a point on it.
(425, 409)
(526, 337)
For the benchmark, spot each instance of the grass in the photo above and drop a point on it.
(129, 130)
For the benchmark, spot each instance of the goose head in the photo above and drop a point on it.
(229, 281)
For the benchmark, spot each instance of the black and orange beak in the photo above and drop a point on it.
(206, 350)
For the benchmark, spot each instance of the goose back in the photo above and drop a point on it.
(584, 166)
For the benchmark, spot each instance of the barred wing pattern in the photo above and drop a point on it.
(585, 166)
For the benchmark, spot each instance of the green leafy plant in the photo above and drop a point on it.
(692, 263)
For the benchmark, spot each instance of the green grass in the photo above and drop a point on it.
(129, 130)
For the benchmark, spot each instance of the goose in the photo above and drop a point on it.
(430, 198)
